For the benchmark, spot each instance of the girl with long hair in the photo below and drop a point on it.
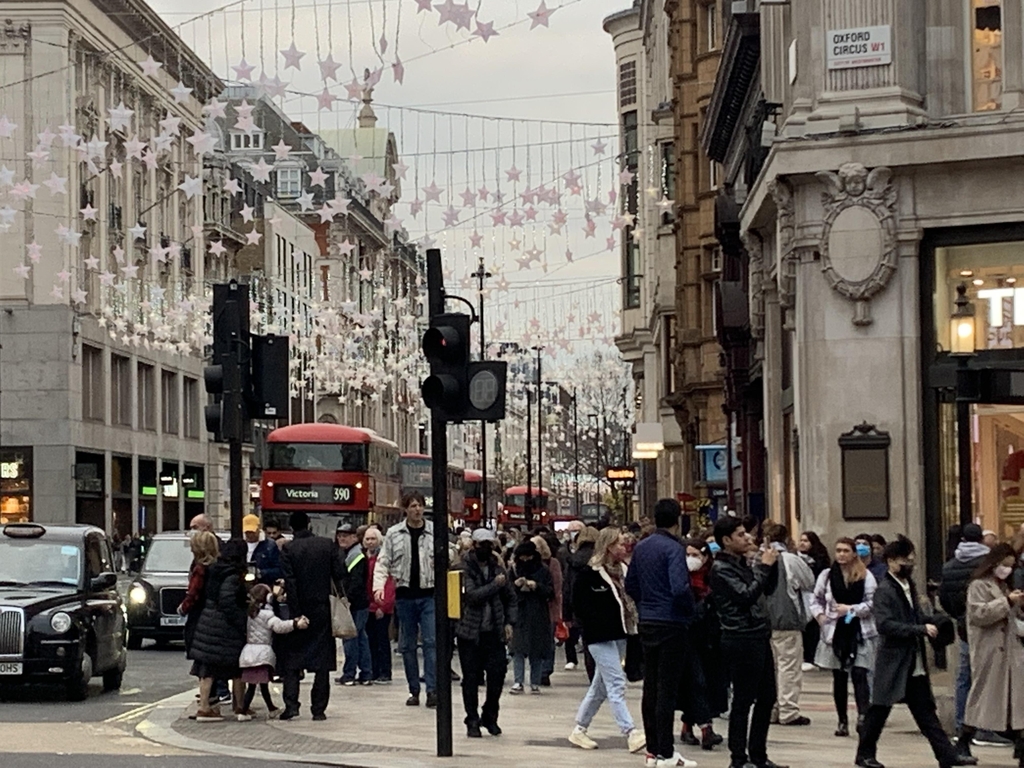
(996, 700)
(607, 616)
(813, 552)
(257, 660)
(841, 605)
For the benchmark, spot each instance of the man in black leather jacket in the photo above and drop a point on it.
(738, 590)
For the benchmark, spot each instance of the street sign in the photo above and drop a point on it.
(620, 474)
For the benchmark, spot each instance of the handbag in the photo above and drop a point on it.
(343, 626)
(561, 631)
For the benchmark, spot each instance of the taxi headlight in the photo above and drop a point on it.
(60, 622)
(138, 594)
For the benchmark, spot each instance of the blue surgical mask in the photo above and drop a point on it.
(863, 550)
(713, 546)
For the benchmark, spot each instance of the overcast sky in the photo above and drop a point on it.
(540, 80)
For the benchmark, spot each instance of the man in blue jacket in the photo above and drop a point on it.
(659, 583)
(263, 556)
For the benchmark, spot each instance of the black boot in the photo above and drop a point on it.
(687, 737)
(963, 744)
(843, 729)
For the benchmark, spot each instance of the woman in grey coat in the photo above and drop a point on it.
(996, 700)
(531, 633)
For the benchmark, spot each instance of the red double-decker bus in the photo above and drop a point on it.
(417, 475)
(472, 513)
(333, 472)
(513, 513)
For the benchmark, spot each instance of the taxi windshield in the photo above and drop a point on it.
(31, 561)
(169, 556)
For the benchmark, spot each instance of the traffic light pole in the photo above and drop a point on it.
(528, 497)
(540, 426)
(481, 274)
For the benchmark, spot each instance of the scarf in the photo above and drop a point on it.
(847, 633)
(699, 581)
(629, 615)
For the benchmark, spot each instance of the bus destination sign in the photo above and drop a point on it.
(314, 494)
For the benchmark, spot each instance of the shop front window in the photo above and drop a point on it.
(987, 54)
(994, 275)
(15, 485)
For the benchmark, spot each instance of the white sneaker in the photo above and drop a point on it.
(636, 741)
(807, 667)
(675, 760)
(651, 761)
(516, 689)
(580, 739)
(243, 718)
(569, 667)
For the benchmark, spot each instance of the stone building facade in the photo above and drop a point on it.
(884, 142)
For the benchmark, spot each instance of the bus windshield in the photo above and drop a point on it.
(322, 457)
(473, 489)
(519, 500)
(416, 473)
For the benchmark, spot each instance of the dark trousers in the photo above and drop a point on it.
(861, 691)
(571, 657)
(753, 685)
(250, 694)
(319, 695)
(380, 645)
(480, 660)
(664, 651)
(922, 706)
(812, 633)
(693, 691)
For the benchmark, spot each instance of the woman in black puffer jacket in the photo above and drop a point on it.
(220, 632)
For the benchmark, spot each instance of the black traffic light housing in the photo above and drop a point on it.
(446, 347)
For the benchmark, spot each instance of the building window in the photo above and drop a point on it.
(631, 161)
(190, 406)
(712, 175)
(289, 182)
(92, 383)
(247, 140)
(630, 270)
(120, 391)
(668, 352)
(147, 397)
(627, 83)
(169, 399)
(15, 485)
(711, 26)
(987, 54)
(668, 178)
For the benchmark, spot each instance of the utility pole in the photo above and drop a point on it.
(576, 450)
(481, 274)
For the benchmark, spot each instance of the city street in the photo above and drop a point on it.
(146, 725)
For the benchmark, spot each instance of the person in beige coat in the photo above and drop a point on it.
(996, 700)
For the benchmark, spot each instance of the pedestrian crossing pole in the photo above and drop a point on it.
(439, 515)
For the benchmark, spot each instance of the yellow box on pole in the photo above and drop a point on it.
(454, 594)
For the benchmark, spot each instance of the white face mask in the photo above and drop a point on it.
(694, 563)
(1002, 572)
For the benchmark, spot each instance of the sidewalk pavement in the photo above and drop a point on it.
(371, 727)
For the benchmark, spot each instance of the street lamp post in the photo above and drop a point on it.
(576, 450)
(482, 274)
(962, 332)
(540, 424)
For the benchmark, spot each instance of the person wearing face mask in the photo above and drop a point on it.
(704, 692)
(901, 668)
(866, 553)
(996, 700)
(841, 605)
(489, 608)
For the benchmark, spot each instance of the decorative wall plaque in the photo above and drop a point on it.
(865, 469)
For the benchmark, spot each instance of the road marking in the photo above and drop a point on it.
(131, 714)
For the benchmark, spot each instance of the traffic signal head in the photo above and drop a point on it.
(446, 347)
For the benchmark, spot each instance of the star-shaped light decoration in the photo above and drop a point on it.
(35, 251)
(118, 252)
(247, 213)
(180, 92)
(398, 70)
(170, 125)
(243, 70)
(423, 5)
(46, 138)
(468, 198)
(326, 214)
(202, 143)
(261, 171)
(514, 244)
(7, 177)
(7, 215)
(476, 239)
(415, 207)
(79, 296)
(513, 173)
(89, 213)
(598, 147)
(215, 109)
(590, 228)
(7, 127)
(340, 205)
(329, 69)
(138, 232)
(292, 57)
(232, 186)
(665, 204)
(450, 216)
(317, 177)
(432, 193)
(626, 177)
(134, 148)
(484, 30)
(91, 263)
(346, 247)
(516, 219)
(58, 185)
(107, 278)
(354, 90)
(150, 160)
(325, 100)
(150, 67)
(253, 237)
(281, 150)
(541, 16)
(57, 292)
(610, 243)
(305, 201)
(497, 217)
(39, 155)
(162, 143)
(191, 186)
(23, 271)
(120, 116)
(217, 248)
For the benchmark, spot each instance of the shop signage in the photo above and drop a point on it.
(10, 470)
(314, 494)
(858, 47)
(715, 463)
(620, 474)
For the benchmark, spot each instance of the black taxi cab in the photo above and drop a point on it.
(61, 617)
(158, 589)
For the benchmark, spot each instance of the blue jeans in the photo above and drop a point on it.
(416, 619)
(963, 684)
(357, 649)
(609, 683)
(537, 665)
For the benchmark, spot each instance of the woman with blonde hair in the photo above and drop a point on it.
(842, 606)
(607, 616)
(205, 548)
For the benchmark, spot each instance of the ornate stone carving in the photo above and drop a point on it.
(752, 244)
(782, 194)
(851, 192)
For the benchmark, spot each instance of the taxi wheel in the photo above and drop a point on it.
(78, 683)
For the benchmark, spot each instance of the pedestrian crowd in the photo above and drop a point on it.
(716, 623)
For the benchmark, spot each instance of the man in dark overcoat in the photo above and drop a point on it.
(310, 564)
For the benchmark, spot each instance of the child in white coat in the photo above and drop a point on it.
(257, 660)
